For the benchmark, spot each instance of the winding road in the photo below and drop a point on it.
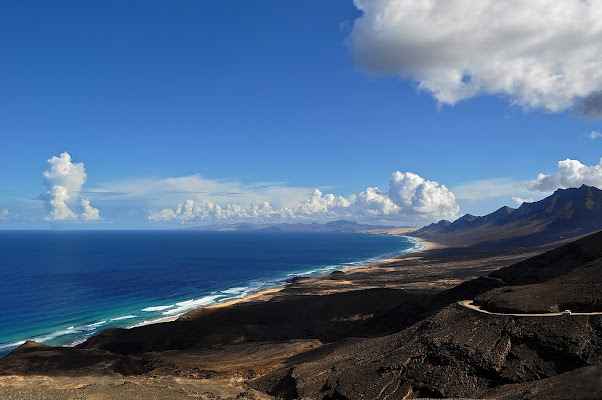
(468, 304)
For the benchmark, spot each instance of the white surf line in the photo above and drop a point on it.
(468, 304)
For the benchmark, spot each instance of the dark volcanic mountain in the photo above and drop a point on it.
(566, 213)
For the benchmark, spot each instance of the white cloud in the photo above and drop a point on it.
(571, 173)
(328, 206)
(520, 200)
(89, 213)
(57, 197)
(64, 180)
(208, 211)
(410, 194)
(167, 191)
(5, 214)
(540, 54)
(410, 197)
(373, 202)
(595, 135)
(490, 188)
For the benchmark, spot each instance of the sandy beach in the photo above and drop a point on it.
(267, 294)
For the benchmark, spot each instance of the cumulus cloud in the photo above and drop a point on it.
(326, 206)
(571, 173)
(5, 214)
(520, 200)
(540, 54)
(595, 135)
(89, 213)
(416, 195)
(410, 197)
(208, 211)
(64, 180)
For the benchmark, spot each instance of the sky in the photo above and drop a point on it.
(168, 114)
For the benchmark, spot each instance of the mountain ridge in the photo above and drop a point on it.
(567, 213)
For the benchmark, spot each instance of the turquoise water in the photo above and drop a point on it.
(61, 287)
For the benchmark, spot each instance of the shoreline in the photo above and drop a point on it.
(265, 294)
(270, 292)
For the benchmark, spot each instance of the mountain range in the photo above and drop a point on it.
(565, 214)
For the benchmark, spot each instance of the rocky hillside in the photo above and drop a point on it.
(455, 353)
(566, 213)
(458, 352)
(375, 343)
(569, 277)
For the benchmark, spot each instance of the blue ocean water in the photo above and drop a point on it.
(61, 287)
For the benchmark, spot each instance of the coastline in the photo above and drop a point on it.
(271, 292)
(260, 294)
(257, 296)
(266, 294)
(250, 344)
(249, 297)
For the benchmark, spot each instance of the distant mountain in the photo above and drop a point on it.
(332, 226)
(566, 213)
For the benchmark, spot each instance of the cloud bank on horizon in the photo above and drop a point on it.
(539, 54)
(410, 197)
(64, 180)
(571, 173)
(5, 214)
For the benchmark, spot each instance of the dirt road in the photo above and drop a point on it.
(468, 304)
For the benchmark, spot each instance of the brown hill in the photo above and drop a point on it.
(456, 353)
(565, 214)
(569, 277)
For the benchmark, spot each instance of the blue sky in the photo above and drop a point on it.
(232, 102)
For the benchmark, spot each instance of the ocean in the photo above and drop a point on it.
(61, 287)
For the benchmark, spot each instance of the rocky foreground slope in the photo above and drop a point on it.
(458, 352)
(455, 353)
(569, 277)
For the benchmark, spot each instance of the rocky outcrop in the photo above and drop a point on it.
(455, 353)
(569, 277)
